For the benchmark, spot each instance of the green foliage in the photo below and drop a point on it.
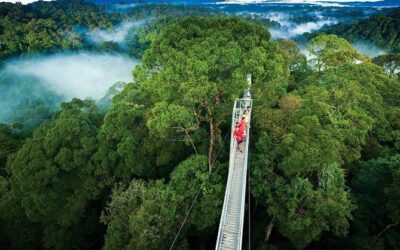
(126, 149)
(311, 135)
(139, 39)
(204, 62)
(147, 215)
(377, 185)
(380, 30)
(317, 128)
(298, 66)
(303, 213)
(47, 25)
(120, 140)
(331, 51)
(16, 231)
(305, 196)
(391, 63)
(9, 143)
(54, 178)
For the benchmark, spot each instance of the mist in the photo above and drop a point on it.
(124, 6)
(115, 35)
(32, 88)
(82, 75)
(288, 29)
(296, 20)
(118, 34)
(368, 49)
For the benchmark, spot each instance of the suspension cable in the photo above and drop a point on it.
(187, 215)
(197, 195)
(248, 195)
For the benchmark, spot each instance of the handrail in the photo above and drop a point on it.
(229, 182)
(239, 106)
(239, 246)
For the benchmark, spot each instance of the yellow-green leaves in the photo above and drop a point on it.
(332, 51)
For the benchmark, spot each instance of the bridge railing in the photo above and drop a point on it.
(239, 107)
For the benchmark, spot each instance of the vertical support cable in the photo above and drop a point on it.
(248, 162)
(248, 184)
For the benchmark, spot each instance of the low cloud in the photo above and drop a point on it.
(120, 6)
(82, 75)
(368, 49)
(323, 3)
(31, 89)
(117, 34)
(288, 29)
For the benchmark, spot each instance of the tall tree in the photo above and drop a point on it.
(196, 67)
(127, 149)
(147, 215)
(306, 141)
(16, 230)
(9, 143)
(377, 185)
(54, 177)
(332, 51)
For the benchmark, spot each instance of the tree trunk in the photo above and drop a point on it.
(268, 230)
(213, 142)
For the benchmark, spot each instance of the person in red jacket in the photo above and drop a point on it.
(239, 136)
(243, 125)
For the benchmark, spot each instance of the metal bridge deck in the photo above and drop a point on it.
(231, 223)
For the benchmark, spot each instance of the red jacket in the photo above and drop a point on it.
(242, 125)
(238, 134)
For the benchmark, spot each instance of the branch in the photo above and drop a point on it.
(199, 117)
(268, 230)
(191, 141)
(385, 229)
(187, 135)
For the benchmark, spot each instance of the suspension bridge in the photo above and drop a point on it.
(230, 231)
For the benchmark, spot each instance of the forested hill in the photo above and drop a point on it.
(380, 30)
(44, 26)
(61, 25)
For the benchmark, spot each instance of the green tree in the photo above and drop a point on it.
(380, 30)
(307, 139)
(54, 177)
(147, 215)
(9, 143)
(126, 148)
(391, 63)
(377, 185)
(16, 230)
(197, 67)
(298, 66)
(332, 51)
